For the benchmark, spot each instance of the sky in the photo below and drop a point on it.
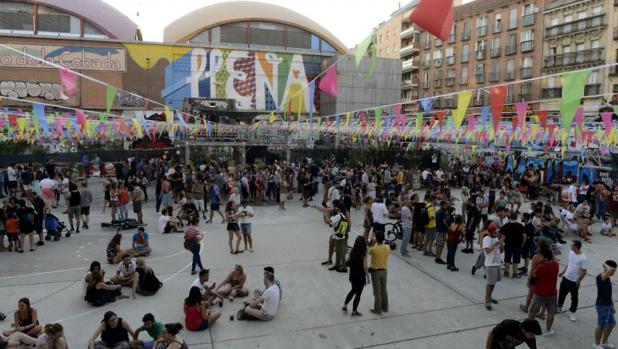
(349, 20)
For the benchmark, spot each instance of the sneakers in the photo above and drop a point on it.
(549, 333)
(356, 313)
(559, 310)
(473, 270)
(572, 317)
(344, 309)
(594, 346)
(327, 262)
(439, 260)
(608, 346)
(488, 305)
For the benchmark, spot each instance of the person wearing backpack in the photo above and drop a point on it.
(340, 225)
(429, 216)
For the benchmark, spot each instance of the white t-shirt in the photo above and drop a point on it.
(11, 174)
(245, 219)
(271, 300)
(380, 212)
(163, 219)
(572, 191)
(127, 270)
(47, 183)
(334, 221)
(333, 194)
(577, 263)
(492, 259)
(197, 283)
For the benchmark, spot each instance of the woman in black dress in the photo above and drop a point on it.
(359, 275)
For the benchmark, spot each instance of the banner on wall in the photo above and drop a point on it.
(71, 57)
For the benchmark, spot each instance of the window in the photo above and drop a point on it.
(597, 10)
(91, 32)
(450, 55)
(298, 38)
(498, 23)
(453, 35)
(480, 73)
(465, 53)
(495, 72)
(267, 34)
(481, 26)
(464, 75)
(527, 41)
(387, 34)
(567, 27)
(528, 9)
(524, 91)
(554, 21)
(437, 58)
(233, 33)
(582, 15)
(466, 31)
(509, 94)
(52, 22)
(513, 18)
(551, 82)
(480, 49)
(510, 69)
(426, 80)
(526, 67)
(427, 61)
(528, 15)
(511, 44)
(495, 46)
(16, 18)
(595, 44)
(387, 50)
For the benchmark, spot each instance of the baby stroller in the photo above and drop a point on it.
(54, 228)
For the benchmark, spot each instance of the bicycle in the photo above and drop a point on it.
(393, 231)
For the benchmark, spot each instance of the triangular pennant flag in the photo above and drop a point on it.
(374, 60)
(542, 115)
(573, 85)
(378, 120)
(311, 101)
(497, 96)
(39, 112)
(521, 108)
(110, 96)
(579, 118)
(81, 118)
(607, 122)
(68, 83)
(361, 49)
(435, 16)
(440, 116)
(427, 103)
(463, 100)
(328, 84)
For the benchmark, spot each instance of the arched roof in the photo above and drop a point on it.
(98, 13)
(207, 17)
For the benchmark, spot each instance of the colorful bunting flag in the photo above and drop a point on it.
(68, 83)
(573, 85)
(463, 99)
(110, 96)
(361, 49)
(435, 16)
(328, 84)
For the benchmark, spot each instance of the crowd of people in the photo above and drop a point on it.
(417, 207)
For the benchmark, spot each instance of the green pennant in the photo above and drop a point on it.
(110, 96)
(378, 113)
(573, 85)
(361, 49)
(374, 61)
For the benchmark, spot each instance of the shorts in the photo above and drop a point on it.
(74, 212)
(214, 207)
(233, 227)
(85, 211)
(203, 326)
(512, 254)
(48, 193)
(526, 250)
(245, 228)
(378, 227)
(493, 274)
(538, 302)
(440, 238)
(431, 234)
(12, 185)
(13, 237)
(605, 316)
(137, 207)
(419, 229)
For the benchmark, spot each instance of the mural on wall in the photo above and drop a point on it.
(72, 57)
(23, 89)
(259, 81)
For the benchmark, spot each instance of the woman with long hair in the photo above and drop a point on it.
(193, 236)
(544, 252)
(114, 253)
(170, 339)
(368, 221)
(233, 229)
(456, 231)
(99, 293)
(359, 275)
(114, 331)
(25, 320)
(113, 198)
(233, 285)
(52, 338)
(197, 315)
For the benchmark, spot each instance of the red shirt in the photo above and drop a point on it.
(613, 200)
(547, 278)
(193, 317)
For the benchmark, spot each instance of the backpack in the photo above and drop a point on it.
(423, 216)
(342, 227)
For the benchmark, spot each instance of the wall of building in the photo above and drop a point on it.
(387, 37)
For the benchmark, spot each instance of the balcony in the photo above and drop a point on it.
(407, 84)
(613, 71)
(551, 93)
(527, 46)
(437, 62)
(481, 31)
(494, 76)
(406, 50)
(526, 73)
(437, 43)
(558, 3)
(480, 78)
(452, 38)
(525, 97)
(465, 58)
(510, 49)
(450, 60)
(450, 82)
(576, 26)
(465, 35)
(497, 27)
(573, 58)
(481, 54)
(406, 33)
(450, 103)
(510, 76)
(409, 65)
(426, 45)
(495, 52)
(528, 20)
(592, 90)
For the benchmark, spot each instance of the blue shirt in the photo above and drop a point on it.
(214, 194)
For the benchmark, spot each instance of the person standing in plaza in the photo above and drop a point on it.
(246, 215)
(379, 263)
(492, 248)
(545, 294)
(380, 214)
(359, 275)
(456, 231)
(215, 201)
(605, 306)
(514, 238)
(192, 239)
(84, 204)
(406, 224)
(443, 219)
(572, 277)
(74, 209)
(430, 226)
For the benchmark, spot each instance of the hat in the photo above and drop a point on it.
(532, 326)
(492, 228)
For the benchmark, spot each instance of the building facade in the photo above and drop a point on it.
(580, 34)
(491, 42)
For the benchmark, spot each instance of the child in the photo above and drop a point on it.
(11, 224)
(606, 227)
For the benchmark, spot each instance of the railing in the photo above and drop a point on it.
(426, 45)
(407, 32)
(437, 62)
(592, 90)
(528, 20)
(426, 64)
(613, 71)
(572, 58)
(452, 38)
(450, 103)
(495, 52)
(450, 82)
(480, 78)
(465, 58)
(510, 49)
(481, 31)
(526, 73)
(575, 26)
(425, 85)
(498, 27)
(409, 64)
(558, 3)
(551, 93)
(527, 46)
(450, 60)
(465, 35)
(524, 97)
(510, 75)
(408, 49)
(481, 54)
(437, 43)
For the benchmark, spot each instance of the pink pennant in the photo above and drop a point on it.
(471, 122)
(552, 129)
(68, 82)
(328, 84)
(607, 122)
(81, 118)
(579, 117)
(521, 109)
(59, 125)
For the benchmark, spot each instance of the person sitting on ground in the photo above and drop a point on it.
(141, 244)
(269, 269)
(127, 275)
(25, 320)
(114, 253)
(94, 266)
(148, 283)
(511, 333)
(52, 338)
(16, 340)
(187, 210)
(197, 315)
(153, 328)
(208, 292)
(99, 292)
(606, 227)
(233, 285)
(264, 307)
(114, 332)
(168, 223)
(170, 338)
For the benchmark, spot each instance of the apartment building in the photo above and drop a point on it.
(491, 42)
(387, 38)
(580, 34)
